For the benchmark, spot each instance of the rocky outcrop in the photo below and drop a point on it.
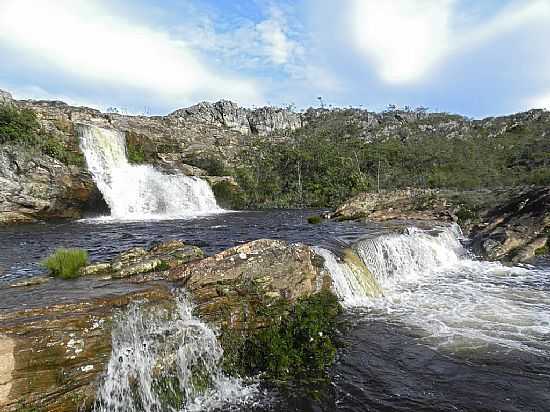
(504, 224)
(262, 121)
(34, 186)
(409, 204)
(227, 285)
(52, 355)
(517, 229)
(138, 261)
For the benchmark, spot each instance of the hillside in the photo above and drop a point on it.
(279, 158)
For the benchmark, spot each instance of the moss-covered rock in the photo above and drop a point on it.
(291, 341)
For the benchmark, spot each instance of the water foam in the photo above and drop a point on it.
(461, 304)
(164, 359)
(138, 192)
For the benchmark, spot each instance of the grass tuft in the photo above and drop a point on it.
(65, 263)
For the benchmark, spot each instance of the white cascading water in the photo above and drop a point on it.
(135, 192)
(353, 287)
(431, 283)
(166, 360)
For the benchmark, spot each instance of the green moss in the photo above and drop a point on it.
(545, 250)
(65, 263)
(289, 342)
(58, 150)
(314, 220)
(135, 152)
(228, 195)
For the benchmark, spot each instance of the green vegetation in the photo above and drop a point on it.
(20, 126)
(545, 250)
(65, 263)
(228, 195)
(314, 220)
(299, 341)
(329, 160)
(135, 152)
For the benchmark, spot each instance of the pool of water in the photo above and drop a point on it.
(450, 335)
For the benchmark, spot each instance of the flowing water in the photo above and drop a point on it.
(431, 328)
(138, 192)
(163, 358)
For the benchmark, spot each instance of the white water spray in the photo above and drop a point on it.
(461, 304)
(135, 192)
(164, 359)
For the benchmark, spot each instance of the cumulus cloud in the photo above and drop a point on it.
(277, 46)
(406, 39)
(82, 39)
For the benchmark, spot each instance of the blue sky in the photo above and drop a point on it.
(474, 57)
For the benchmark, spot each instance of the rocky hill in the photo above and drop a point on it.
(36, 186)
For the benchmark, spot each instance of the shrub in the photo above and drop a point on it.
(314, 220)
(228, 195)
(135, 152)
(18, 126)
(298, 342)
(213, 165)
(65, 263)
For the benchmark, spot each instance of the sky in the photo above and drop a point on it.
(474, 57)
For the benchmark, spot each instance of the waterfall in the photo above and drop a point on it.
(455, 302)
(396, 257)
(164, 359)
(352, 281)
(135, 192)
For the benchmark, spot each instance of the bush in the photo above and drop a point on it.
(18, 126)
(135, 152)
(314, 220)
(65, 263)
(298, 342)
(228, 196)
(213, 165)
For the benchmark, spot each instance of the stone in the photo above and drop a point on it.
(139, 261)
(516, 228)
(224, 286)
(51, 357)
(34, 187)
(95, 269)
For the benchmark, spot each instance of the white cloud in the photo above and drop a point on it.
(540, 102)
(80, 39)
(407, 39)
(278, 47)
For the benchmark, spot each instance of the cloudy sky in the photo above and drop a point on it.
(475, 57)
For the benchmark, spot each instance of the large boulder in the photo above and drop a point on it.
(35, 187)
(51, 357)
(146, 263)
(227, 285)
(407, 204)
(517, 229)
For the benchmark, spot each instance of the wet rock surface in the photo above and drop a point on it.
(138, 261)
(516, 230)
(226, 285)
(52, 357)
(55, 337)
(34, 186)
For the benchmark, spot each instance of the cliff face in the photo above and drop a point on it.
(38, 187)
